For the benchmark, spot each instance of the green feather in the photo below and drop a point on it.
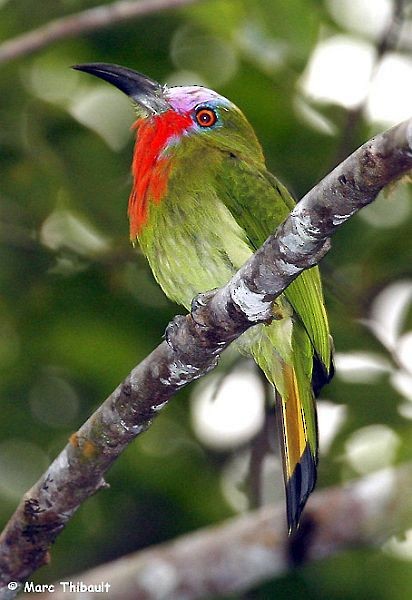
(259, 203)
(221, 205)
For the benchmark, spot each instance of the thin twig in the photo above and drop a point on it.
(387, 42)
(260, 447)
(86, 21)
(248, 550)
(192, 346)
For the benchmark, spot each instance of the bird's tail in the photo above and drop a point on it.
(296, 416)
(287, 358)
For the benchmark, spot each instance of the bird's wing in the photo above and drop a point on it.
(260, 203)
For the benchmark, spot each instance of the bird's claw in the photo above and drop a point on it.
(171, 328)
(201, 300)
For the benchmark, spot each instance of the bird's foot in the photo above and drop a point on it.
(201, 300)
(172, 328)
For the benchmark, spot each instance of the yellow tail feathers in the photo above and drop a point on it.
(299, 452)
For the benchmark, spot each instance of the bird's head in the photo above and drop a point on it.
(174, 121)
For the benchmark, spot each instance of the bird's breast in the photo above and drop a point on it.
(193, 244)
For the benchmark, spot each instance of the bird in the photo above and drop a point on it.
(202, 202)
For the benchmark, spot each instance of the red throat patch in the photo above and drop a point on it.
(149, 168)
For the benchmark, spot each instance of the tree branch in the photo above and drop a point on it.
(86, 21)
(248, 550)
(193, 344)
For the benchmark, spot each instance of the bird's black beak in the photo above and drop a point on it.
(147, 93)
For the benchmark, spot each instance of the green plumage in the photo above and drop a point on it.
(220, 206)
(201, 204)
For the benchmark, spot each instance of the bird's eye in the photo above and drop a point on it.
(206, 117)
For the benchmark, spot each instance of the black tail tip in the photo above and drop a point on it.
(299, 487)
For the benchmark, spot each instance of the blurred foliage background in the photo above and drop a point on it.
(79, 307)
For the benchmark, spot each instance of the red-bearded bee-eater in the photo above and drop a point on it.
(202, 202)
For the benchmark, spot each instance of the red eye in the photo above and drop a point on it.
(206, 117)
